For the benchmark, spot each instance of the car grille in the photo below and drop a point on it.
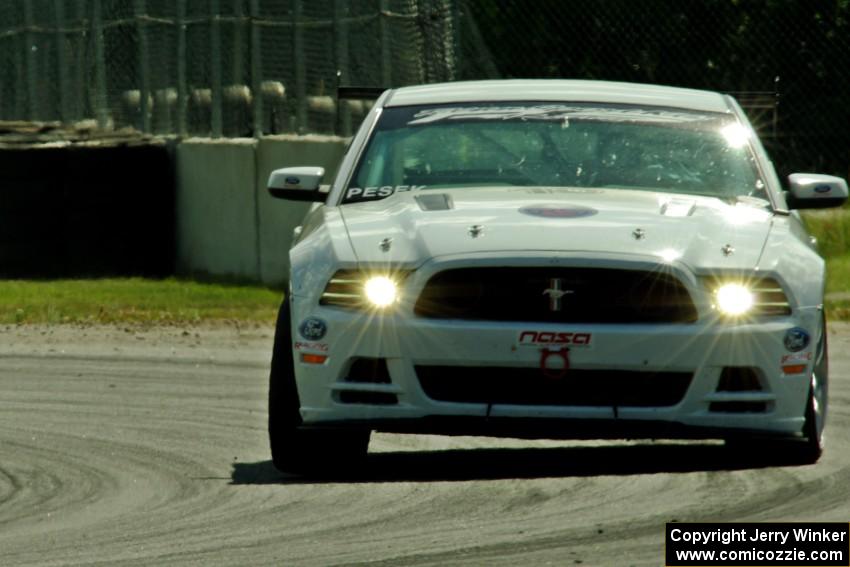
(590, 295)
(528, 386)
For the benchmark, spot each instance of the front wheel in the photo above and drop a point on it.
(816, 404)
(295, 449)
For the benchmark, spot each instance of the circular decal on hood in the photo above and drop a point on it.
(558, 211)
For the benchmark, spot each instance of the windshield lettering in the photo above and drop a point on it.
(357, 194)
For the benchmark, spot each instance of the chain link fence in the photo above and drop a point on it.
(254, 67)
(219, 67)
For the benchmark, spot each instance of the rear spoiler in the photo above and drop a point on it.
(366, 94)
(359, 93)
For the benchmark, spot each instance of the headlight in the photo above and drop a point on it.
(354, 289)
(734, 299)
(381, 291)
(756, 297)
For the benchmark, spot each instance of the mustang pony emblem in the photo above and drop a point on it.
(555, 294)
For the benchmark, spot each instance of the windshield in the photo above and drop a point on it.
(555, 145)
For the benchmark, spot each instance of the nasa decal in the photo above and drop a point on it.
(823, 189)
(531, 338)
(797, 339)
(313, 329)
(292, 181)
(558, 211)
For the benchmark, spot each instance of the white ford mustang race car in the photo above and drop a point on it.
(554, 259)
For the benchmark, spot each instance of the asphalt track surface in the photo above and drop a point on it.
(127, 447)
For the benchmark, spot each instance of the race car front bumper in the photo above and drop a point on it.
(703, 380)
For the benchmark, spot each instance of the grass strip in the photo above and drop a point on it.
(134, 300)
(831, 227)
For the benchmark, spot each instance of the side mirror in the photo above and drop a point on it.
(815, 191)
(298, 184)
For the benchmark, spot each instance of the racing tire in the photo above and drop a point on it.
(294, 449)
(816, 404)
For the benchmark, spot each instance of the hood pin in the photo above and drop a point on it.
(385, 244)
(639, 233)
(728, 250)
(475, 230)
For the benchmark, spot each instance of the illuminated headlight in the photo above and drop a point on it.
(734, 299)
(750, 297)
(353, 289)
(381, 291)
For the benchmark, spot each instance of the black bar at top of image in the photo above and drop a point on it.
(757, 544)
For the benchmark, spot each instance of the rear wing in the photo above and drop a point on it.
(353, 98)
(359, 93)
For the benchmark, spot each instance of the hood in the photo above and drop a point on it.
(435, 223)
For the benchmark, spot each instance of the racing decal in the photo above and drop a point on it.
(796, 357)
(558, 211)
(797, 339)
(554, 363)
(300, 345)
(554, 338)
(313, 328)
(358, 194)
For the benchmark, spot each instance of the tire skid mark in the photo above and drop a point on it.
(9, 486)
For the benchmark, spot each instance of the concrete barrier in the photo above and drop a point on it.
(227, 223)
(217, 209)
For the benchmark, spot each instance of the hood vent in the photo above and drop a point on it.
(439, 202)
(678, 208)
